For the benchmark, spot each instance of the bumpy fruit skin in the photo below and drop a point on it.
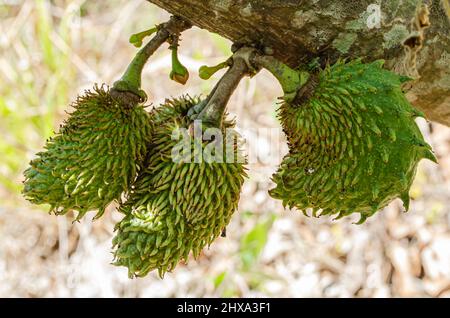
(93, 158)
(175, 207)
(354, 144)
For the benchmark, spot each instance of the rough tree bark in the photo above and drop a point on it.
(413, 42)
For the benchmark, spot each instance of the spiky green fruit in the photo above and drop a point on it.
(176, 207)
(93, 158)
(354, 144)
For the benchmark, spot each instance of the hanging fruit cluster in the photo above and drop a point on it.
(353, 147)
(176, 207)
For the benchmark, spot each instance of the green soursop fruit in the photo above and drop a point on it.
(176, 207)
(353, 143)
(93, 158)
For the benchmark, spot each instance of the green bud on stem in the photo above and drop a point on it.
(137, 38)
(179, 72)
(205, 72)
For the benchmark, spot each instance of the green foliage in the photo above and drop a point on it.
(93, 158)
(253, 242)
(354, 145)
(175, 207)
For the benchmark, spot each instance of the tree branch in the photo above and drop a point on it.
(296, 31)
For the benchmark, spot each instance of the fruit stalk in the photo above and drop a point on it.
(130, 82)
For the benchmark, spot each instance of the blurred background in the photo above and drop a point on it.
(52, 50)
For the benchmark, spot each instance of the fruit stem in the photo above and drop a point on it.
(291, 80)
(205, 72)
(130, 82)
(213, 112)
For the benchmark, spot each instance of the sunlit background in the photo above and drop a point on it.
(52, 50)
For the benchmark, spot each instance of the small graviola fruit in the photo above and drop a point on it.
(93, 158)
(177, 206)
(179, 72)
(354, 144)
